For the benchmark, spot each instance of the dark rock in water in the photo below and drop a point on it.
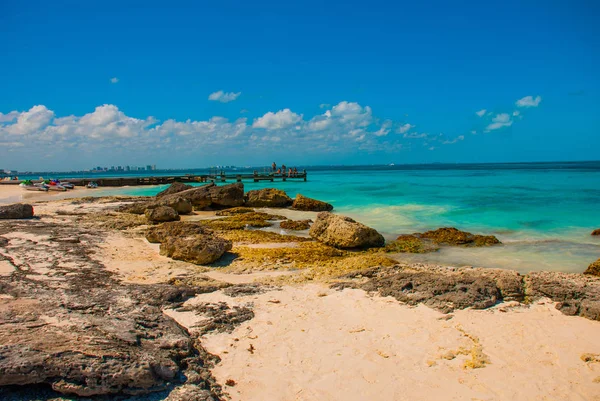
(343, 232)
(576, 294)
(593, 269)
(199, 197)
(161, 214)
(295, 224)
(268, 197)
(234, 211)
(231, 195)
(311, 205)
(199, 249)
(173, 189)
(596, 232)
(161, 232)
(452, 236)
(16, 211)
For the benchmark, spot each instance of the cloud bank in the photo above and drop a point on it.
(342, 128)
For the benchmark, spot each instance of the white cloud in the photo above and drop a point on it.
(114, 80)
(499, 121)
(481, 112)
(516, 113)
(385, 129)
(31, 121)
(415, 135)
(324, 105)
(224, 97)
(282, 119)
(451, 141)
(404, 128)
(9, 117)
(529, 101)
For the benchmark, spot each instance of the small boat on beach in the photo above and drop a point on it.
(28, 185)
(54, 185)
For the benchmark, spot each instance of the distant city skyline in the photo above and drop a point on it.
(317, 84)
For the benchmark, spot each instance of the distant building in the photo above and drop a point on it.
(153, 167)
(148, 167)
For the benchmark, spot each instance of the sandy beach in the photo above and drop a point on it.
(284, 334)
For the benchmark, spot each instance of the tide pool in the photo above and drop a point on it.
(543, 213)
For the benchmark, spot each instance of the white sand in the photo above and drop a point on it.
(313, 343)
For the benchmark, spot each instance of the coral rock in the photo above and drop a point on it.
(311, 205)
(268, 197)
(173, 189)
(295, 224)
(199, 249)
(160, 233)
(452, 236)
(161, 214)
(596, 232)
(593, 269)
(343, 232)
(231, 195)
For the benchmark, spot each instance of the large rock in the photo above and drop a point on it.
(596, 232)
(231, 195)
(198, 249)
(173, 189)
(268, 197)
(16, 211)
(161, 232)
(161, 214)
(199, 197)
(311, 205)
(343, 232)
(593, 269)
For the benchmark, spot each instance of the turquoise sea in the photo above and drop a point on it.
(542, 212)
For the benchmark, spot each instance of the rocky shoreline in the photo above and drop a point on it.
(72, 325)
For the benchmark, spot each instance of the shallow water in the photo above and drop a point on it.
(543, 213)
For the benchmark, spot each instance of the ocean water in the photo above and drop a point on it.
(542, 212)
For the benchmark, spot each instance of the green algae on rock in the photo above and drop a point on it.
(295, 225)
(311, 205)
(453, 236)
(593, 269)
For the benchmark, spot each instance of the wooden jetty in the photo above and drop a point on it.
(221, 176)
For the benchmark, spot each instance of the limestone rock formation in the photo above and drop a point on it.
(311, 205)
(268, 197)
(295, 224)
(161, 214)
(576, 294)
(343, 232)
(16, 211)
(231, 195)
(198, 249)
(199, 197)
(445, 289)
(161, 232)
(593, 269)
(173, 189)
(596, 232)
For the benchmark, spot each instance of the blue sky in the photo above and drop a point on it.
(306, 82)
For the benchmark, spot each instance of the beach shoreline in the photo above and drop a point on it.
(310, 330)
